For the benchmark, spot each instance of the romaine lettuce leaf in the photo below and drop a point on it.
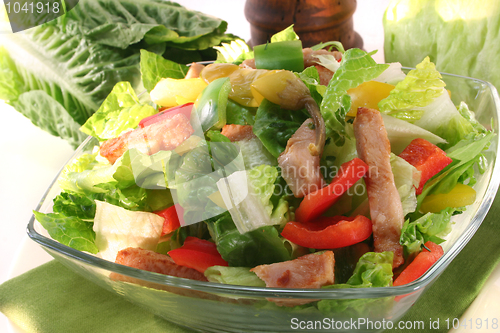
(238, 114)
(310, 77)
(120, 111)
(78, 58)
(11, 83)
(74, 204)
(254, 153)
(401, 133)
(83, 205)
(55, 118)
(74, 71)
(123, 23)
(69, 230)
(196, 175)
(235, 52)
(263, 179)
(392, 75)
(87, 174)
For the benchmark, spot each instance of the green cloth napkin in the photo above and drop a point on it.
(52, 299)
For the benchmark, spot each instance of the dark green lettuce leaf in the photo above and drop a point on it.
(257, 247)
(274, 125)
(123, 23)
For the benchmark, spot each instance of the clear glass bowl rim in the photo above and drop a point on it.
(243, 291)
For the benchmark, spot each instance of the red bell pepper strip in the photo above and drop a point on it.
(185, 109)
(422, 262)
(173, 216)
(198, 254)
(329, 232)
(316, 203)
(427, 158)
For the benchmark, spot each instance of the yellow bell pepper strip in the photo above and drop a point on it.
(215, 71)
(368, 94)
(241, 81)
(172, 92)
(211, 104)
(461, 195)
(280, 55)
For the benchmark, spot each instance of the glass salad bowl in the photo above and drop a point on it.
(213, 307)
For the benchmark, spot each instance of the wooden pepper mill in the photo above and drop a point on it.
(315, 21)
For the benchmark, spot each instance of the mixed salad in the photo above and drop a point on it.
(280, 167)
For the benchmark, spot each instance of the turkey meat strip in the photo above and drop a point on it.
(386, 210)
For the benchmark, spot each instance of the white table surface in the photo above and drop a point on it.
(31, 158)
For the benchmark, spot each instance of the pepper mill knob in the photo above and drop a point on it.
(315, 21)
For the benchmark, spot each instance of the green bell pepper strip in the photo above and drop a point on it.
(211, 104)
(280, 55)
